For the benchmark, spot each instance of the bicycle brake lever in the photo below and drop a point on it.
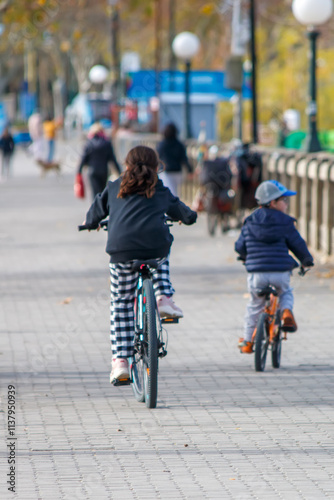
(302, 271)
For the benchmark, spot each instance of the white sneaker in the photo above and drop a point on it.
(120, 370)
(168, 308)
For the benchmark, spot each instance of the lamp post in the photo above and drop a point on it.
(312, 13)
(185, 46)
(252, 22)
(115, 51)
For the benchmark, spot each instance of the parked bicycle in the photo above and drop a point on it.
(269, 332)
(150, 338)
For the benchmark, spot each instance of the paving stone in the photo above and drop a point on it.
(249, 435)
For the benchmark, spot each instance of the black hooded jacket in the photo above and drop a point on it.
(173, 155)
(137, 227)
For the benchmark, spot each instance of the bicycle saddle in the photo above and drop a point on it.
(149, 263)
(267, 290)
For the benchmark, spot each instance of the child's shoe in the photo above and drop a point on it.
(119, 370)
(245, 347)
(288, 321)
(167, 307)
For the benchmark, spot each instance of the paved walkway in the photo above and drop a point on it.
(220, 431)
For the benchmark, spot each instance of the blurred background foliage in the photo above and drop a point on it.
(76, 34)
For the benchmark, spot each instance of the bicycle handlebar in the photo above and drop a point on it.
(103, 224)
(302, 270)
(169, 221)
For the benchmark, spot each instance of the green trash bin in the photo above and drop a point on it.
(323, 138)
(295, 140)
(330, 141)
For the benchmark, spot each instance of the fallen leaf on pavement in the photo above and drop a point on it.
(67, 300)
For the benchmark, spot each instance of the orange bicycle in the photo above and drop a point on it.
(269, 332)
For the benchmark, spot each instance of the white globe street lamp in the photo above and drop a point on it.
(312, 13)
(185, 46)
(98, 74)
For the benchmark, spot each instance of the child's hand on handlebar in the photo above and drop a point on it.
(304, 269)
(89, 230)
(83, 224)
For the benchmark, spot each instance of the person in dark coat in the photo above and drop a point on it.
(136, 204)
(249, 170)
(7, 147)
(173, 155)
(267, 237)
(98, 152)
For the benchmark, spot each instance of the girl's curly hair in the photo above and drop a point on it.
(141, 174)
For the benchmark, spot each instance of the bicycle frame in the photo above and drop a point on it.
(270, 309)
(139, 301)
(145, 273)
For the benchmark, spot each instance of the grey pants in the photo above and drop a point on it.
(256, 281)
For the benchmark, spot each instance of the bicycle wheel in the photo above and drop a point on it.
(276, 348)
(261, 343)
(137, 373)
(151, 349)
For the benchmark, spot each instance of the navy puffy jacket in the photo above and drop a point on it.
(265, 240)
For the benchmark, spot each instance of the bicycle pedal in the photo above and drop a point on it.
(169, 320)
(122, 381)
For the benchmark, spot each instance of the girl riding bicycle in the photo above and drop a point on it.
(136, 204)
(266, 238)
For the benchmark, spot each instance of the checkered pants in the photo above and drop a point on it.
(123, 283)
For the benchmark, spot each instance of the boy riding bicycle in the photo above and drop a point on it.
(266, 238)
(136, 204)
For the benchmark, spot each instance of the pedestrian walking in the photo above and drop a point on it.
(38, 144)
(173, 155)
(97, 154)
(50, 127)
(7, 149)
